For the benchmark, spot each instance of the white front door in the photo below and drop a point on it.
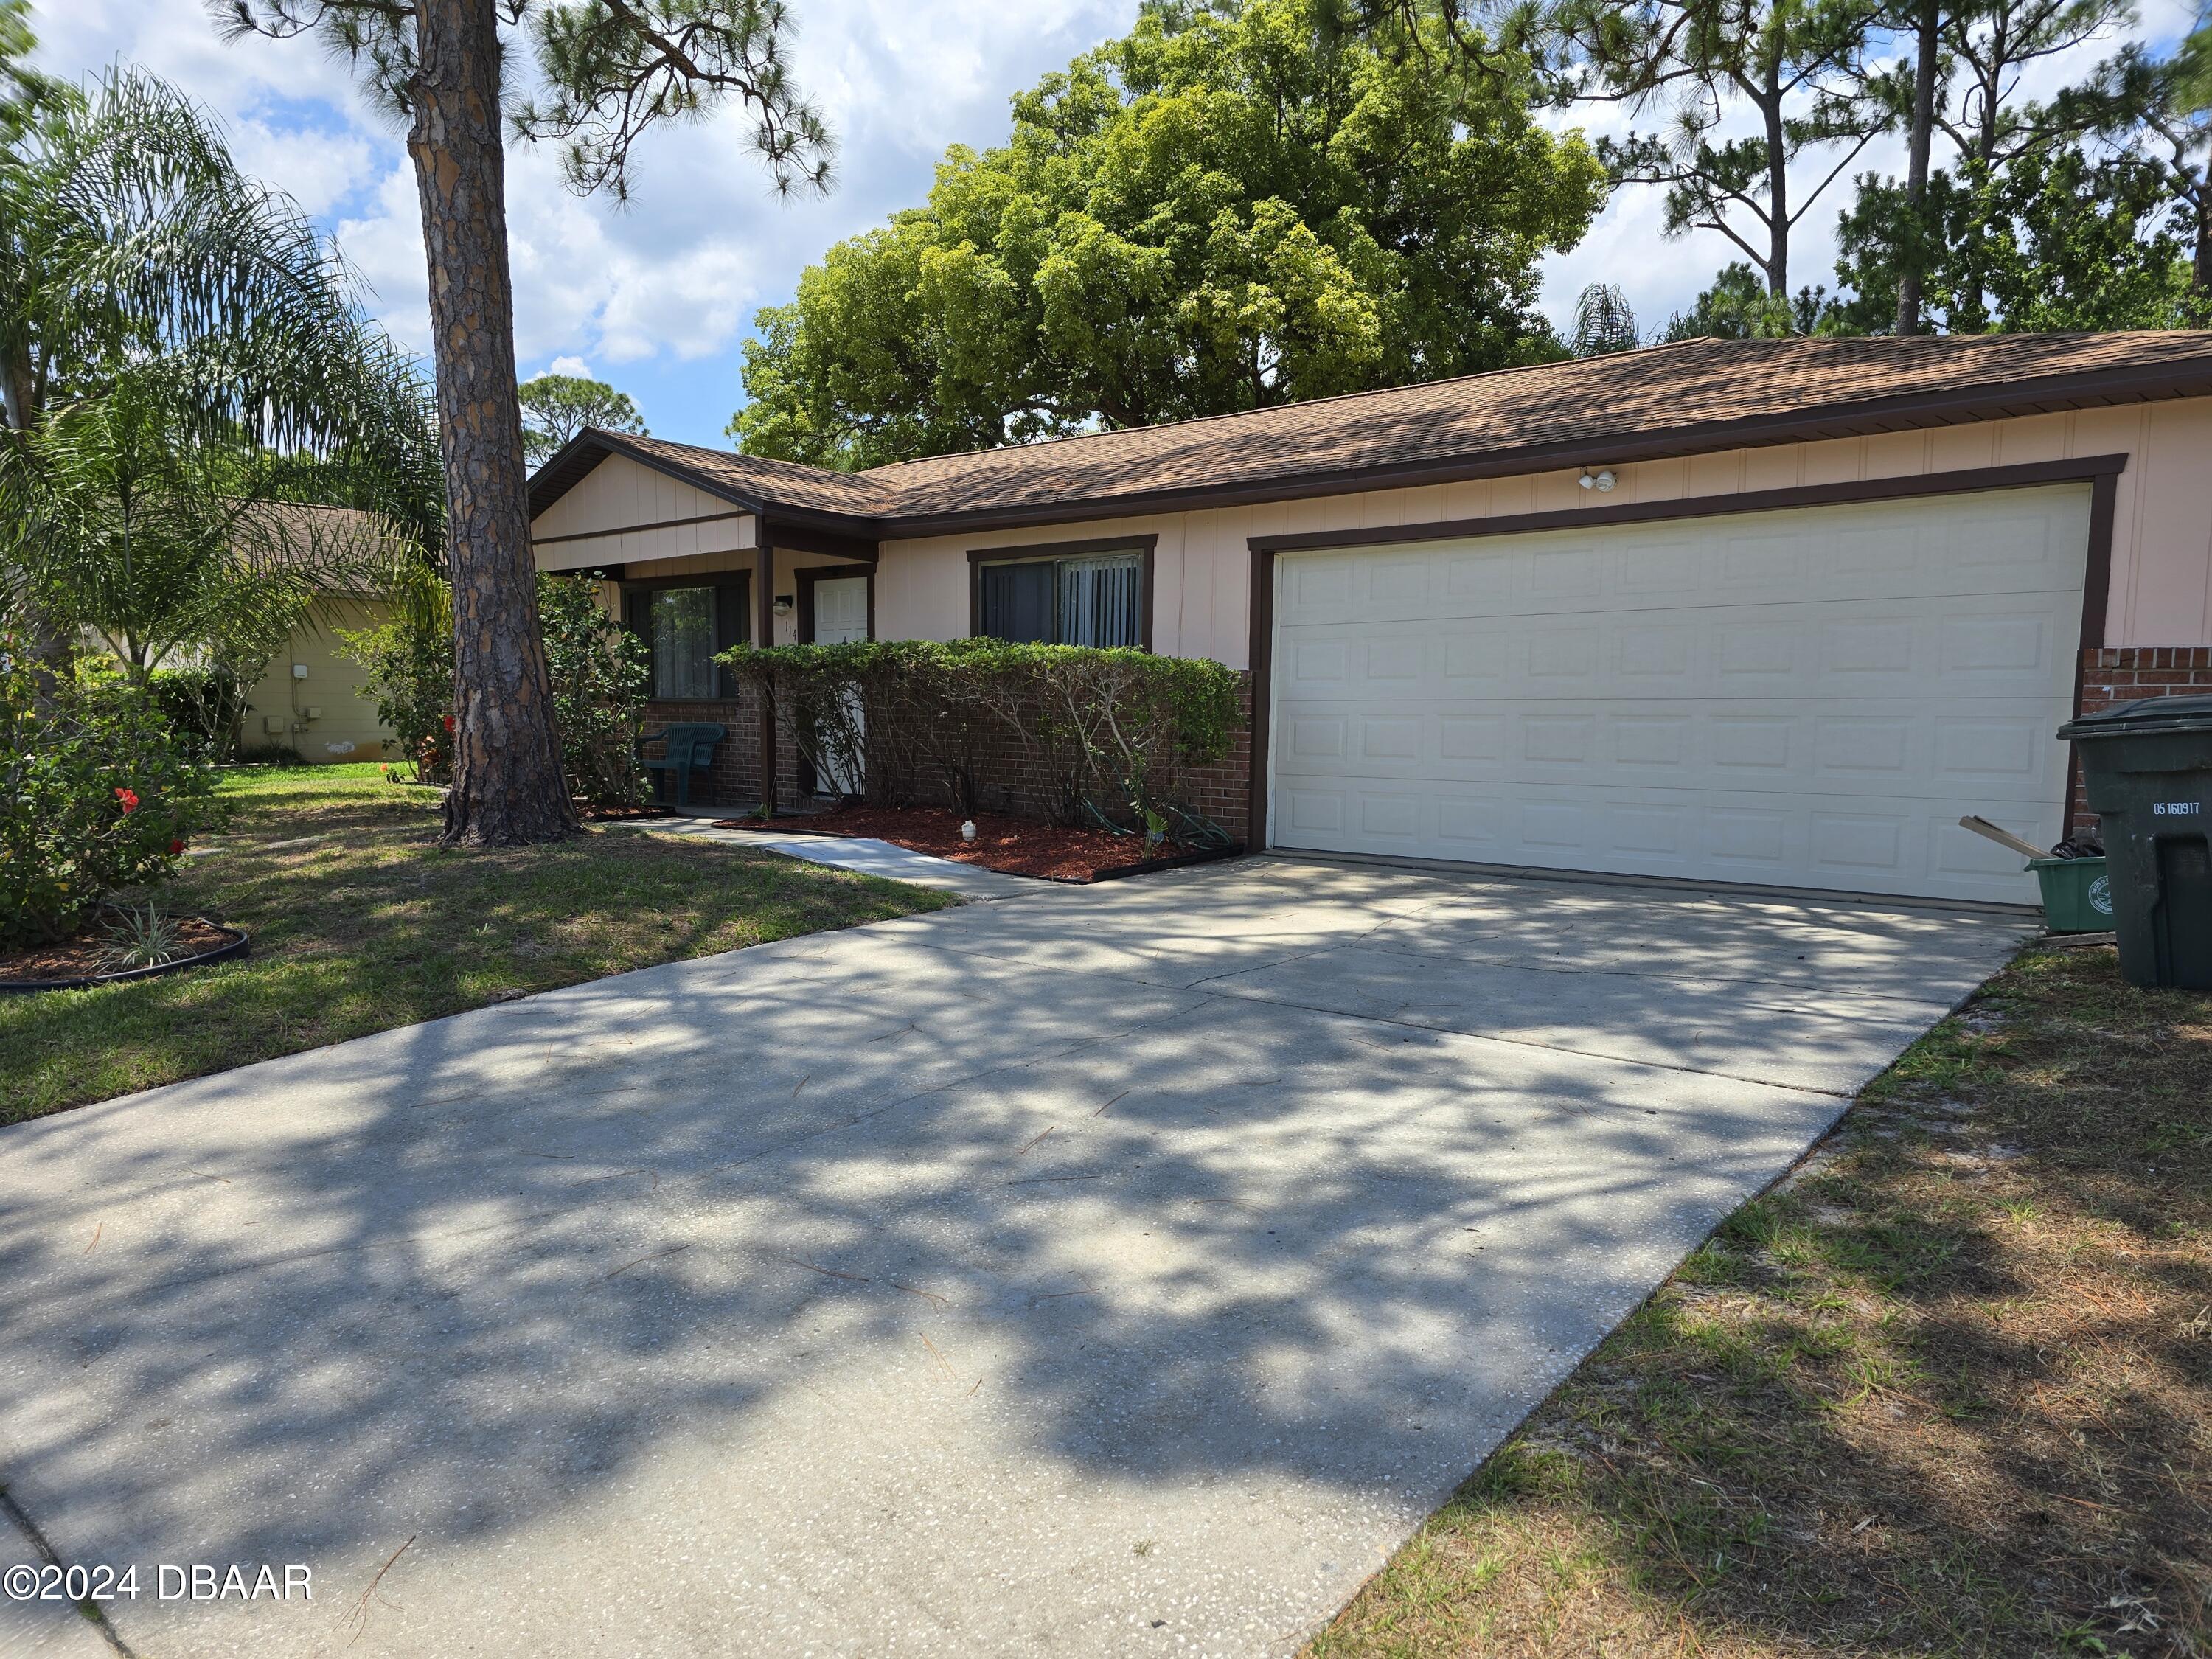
(841, 610)
(841, 618)
(1805, 698)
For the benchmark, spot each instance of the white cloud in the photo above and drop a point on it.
(575, 367)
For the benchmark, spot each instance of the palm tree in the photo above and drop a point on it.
(180, 355)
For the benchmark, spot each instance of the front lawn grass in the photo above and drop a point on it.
(360, 922)
(1947, 1391)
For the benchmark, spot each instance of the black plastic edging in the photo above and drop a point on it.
(239, 945)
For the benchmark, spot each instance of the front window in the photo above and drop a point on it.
(683, 642)
(1096, 599)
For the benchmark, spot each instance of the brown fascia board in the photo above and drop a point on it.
(1858, 418)
(576, 459)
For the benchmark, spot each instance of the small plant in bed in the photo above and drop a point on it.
(141, 936)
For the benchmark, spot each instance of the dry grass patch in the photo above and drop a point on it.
(1949, 1389)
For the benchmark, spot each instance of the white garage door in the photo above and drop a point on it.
(1808, 698)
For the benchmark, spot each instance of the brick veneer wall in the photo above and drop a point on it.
(734, 778)
(2117, 674)
(1008, 782)
(1005, 782)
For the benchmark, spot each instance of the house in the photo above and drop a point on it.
(1773, 613)
(308, 700)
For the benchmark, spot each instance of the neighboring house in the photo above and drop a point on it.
(309, 700)
(1764, 611)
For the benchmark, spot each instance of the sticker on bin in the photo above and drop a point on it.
(2100, 895)
(2176, 809)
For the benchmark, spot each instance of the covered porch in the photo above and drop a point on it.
(694, 572)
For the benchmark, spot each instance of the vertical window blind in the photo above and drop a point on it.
(1096, 599)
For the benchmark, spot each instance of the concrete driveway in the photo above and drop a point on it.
(1109, 1271)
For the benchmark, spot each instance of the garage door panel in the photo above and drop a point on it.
(1810, 698)
(2033, 543)
(1890, 746)
(2007, 645)
(1869, 846)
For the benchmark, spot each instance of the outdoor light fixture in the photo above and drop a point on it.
(1599, 482)
(783, 605)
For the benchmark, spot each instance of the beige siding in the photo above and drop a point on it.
(620, 492)
(2161, 592)
(322, 716)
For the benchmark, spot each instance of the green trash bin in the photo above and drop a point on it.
(2148, 768)
(2077, 894)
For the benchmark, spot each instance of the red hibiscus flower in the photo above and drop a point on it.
(449, 722)
(175, 848)
(130, 799)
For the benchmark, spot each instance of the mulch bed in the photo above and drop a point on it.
(617, 814)
(86, 955)
(1017, 847)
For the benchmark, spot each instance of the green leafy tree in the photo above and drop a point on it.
(187, 375)
(2162, 108)
(606, 72)
(1737, 307)
(1232, 207)
(2057, 237)
(1961, 83)
(556, 407)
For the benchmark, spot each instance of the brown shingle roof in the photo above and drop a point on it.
(1698, 395)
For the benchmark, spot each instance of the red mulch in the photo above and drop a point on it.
(1019, 847)
(83, 957)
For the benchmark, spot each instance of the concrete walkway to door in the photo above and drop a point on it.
(1110, 1271)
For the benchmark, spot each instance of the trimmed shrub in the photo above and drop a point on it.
(1099, 731)
(599, 671)
(98, 794)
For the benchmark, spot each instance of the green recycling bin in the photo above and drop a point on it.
(2077, 894)
(2148, 768)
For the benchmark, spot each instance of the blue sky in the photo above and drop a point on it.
(657, 297)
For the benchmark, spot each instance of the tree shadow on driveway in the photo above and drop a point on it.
(892, 1283)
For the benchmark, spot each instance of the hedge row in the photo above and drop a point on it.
(1100, 730)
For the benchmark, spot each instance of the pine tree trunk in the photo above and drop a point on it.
(49, 639)
(508, 788)
(2200, 268)
(1778, 189)
(1916, 183)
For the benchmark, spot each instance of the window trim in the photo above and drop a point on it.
(1144, 546)
(721, 582)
